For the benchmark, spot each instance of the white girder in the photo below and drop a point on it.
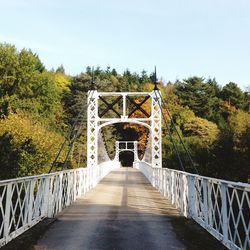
(95, 123)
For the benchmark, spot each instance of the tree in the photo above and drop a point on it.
(27, 147)
(233, 95)
(60, 69)
(25, 84)
(198, 95)
(246, 105)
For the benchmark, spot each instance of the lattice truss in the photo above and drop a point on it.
(221, 207)
(21, 202)
(156, 131)
(152, 121)
(92, 129)
(26, 201)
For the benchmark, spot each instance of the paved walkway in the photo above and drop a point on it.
(122, 212)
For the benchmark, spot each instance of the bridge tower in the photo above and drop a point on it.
(150, 120)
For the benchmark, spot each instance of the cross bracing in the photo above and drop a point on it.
(221, 207)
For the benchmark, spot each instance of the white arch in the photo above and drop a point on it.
(122, 150)
(95, 123)
(124, 121)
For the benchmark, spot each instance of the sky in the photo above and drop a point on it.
(182, 38)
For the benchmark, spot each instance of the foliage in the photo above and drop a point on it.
(26, 146)
(38, 106)
(233, 94)
(199, 96)
(25, 84)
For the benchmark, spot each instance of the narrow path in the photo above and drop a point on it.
(122, 212)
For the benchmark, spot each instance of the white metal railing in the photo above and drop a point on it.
(221, 207)
(26, 201)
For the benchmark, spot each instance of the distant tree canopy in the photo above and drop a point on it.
(37, 107)
(233, 94)
(25, 84)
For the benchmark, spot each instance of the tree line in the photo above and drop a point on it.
(38, 106)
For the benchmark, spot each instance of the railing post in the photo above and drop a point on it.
(172, 188)
(153, 177)
(185, 195)
(164, 182)
(31, 200)
(75, 184)
(59, 192)
(168, 185)
(209, 203)
(192, 213)
(7, 210)
(205, 201)
(80, 185)
(181, 198)
(224, 212)
(68, 187)
(46, 198)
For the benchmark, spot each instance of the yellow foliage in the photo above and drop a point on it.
(239, 122)
(207, 131)
(62, 81)
(22, 128)
(230, 108)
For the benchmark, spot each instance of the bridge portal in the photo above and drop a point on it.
(128, 110)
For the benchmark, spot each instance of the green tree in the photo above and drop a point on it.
(233, 95)
(25, 84)
(198, 96)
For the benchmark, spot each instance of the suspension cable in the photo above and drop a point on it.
(70, 132)
(178, 134)
(169, 131)
(71, 145)
(105, 143)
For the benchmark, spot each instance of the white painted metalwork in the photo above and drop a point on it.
(26, 201)
(131, 146)
(95, 123)
(156, 130)
(221, 207)
(92, 129)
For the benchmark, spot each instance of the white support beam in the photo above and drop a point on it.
(95, 123)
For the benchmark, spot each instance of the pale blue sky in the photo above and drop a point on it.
(209, 38)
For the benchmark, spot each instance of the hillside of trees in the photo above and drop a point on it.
(38, 106)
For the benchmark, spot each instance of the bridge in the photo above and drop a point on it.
(107, 206)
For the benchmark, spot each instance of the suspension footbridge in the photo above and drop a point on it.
(106, 206)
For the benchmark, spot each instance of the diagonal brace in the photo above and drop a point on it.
(110, 106)
(138, 106)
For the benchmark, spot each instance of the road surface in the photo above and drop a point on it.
(122, 212)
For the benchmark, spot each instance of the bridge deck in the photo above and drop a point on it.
(122, 212)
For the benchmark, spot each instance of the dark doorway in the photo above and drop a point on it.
(126, 158)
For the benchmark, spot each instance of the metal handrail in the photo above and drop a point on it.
(221, 207)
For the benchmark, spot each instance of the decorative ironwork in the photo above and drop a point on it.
(138, 106)
(26, 201)
(152, 121)
(110, 106)
(221, 207)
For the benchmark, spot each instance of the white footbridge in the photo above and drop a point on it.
(220, 207)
